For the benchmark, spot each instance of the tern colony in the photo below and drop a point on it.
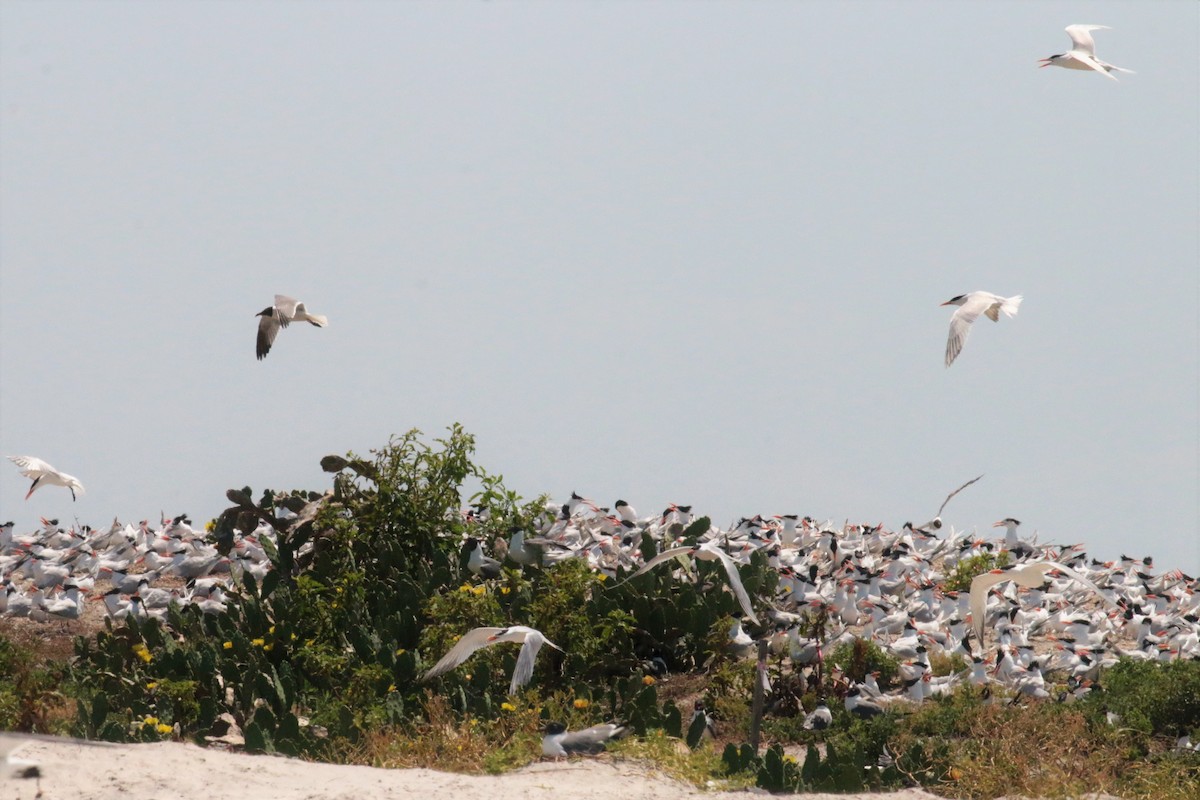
(1052, 610)
(882, 585)
(134, 570)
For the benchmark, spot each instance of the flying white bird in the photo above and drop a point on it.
(936, 523)
(45, 475)
(970, 307)
(1083, 54)
(532, 641)
(558, 743)
(706, 552)
(1030, 575)
(285, 311)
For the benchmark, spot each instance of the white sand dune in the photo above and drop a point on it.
(172, 771)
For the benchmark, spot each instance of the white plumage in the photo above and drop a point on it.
(1082, 55)
(531, 639)
(970, 307)
(45, 475)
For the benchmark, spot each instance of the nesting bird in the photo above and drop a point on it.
(559, 743)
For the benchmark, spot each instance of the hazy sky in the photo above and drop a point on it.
(662, 251)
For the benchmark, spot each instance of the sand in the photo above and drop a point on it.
(172, 771)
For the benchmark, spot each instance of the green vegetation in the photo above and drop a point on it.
(960, 579)
(322, 658)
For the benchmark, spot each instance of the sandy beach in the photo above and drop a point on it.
(173, 771)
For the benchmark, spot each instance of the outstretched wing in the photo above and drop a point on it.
(980, 586)
(286, 306)
(462, 650)
(268, 329)
(665, 555)
(31, 467)
(524, 669)
(1090, 61)
(1081, 37)
(1075, 576)
(950, 496)
(735, 580)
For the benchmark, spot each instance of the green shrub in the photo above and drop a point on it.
(858, 658)
(1150, 697)
(30, 688)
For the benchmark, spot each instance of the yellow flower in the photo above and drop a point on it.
(339, 590)
(228, 645)
(401, 651)
(480, 590)
(164, 728)
(464, 588)
(602, 577)
(648, 680)
(392, 687)
(150, 721)
(581, 703)
(257, 642)
(293, 637)
(333, 604)
(271, 629)
(790, 759)
(210, 526)
(141, 651)
(269, 647)
(151, 685)
(507, 707)
(504, 590)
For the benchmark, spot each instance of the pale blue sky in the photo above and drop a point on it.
(663, 251)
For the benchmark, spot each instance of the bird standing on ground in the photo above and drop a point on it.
(531, 641)
(285, 311)
(970, 307)
(1083, 54)
(45, 475)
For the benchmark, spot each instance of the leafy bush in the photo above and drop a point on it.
(29, 688)
(368, 588)
(858, 658)
(1152, 698)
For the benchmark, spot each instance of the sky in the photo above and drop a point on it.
(685, 252)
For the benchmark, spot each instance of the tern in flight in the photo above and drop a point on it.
(45, 475)
(285, 311)
(532, 641)
(970, 307)
(1083, 54)
(936, 523)
(706, 552)
(1030, 575)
